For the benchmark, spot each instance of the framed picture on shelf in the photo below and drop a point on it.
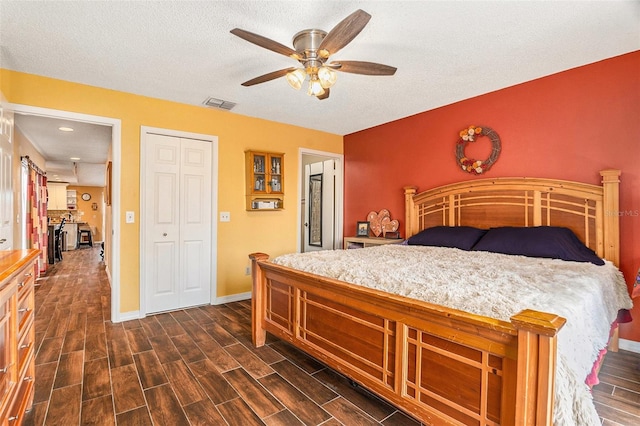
(362, 229)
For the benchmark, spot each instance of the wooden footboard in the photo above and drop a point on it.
(440, 365)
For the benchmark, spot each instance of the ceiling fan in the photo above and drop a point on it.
(312, 49)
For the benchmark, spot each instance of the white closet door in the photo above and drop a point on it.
(177, 245)
(195, 222)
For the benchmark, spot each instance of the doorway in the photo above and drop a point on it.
(320, 208)
(112, 227)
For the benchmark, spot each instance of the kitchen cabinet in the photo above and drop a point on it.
(264, 180)
(56, 196)
(17, 335)
(72, 199)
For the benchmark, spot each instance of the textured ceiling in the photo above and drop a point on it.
(445, 51)
(88, 142)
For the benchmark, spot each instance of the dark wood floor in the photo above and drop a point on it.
(197, 366)
(617, 397)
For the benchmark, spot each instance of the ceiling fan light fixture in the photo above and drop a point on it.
(295, 78)
(315, 87)
(327, 77)
(313, 47)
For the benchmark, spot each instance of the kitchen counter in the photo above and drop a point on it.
(71, 238)
(57, 222)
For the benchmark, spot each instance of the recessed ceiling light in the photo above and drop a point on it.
(65, 129)
(74, 158)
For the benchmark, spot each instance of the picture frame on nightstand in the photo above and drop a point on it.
(362, 229)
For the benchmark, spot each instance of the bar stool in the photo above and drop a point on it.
(58, 240)
(85, 237)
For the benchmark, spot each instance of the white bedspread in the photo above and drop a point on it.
(497, 286)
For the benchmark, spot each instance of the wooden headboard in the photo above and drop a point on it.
(590, 211)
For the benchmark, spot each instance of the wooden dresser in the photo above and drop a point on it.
(17, 336)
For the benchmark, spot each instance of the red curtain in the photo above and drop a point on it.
(36, 212)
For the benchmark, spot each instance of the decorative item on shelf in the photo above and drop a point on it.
(265, 205)
(362, 229)
(381, 222)
(470, 134)
(389, 226)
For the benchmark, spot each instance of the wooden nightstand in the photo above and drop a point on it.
(360, 242)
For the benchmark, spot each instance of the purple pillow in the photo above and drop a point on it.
(462, 237)
(539, 241)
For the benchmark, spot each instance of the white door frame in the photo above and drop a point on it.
(339, 195)
(144, 130)
(116, 148)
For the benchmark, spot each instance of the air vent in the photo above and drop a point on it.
(219, 104)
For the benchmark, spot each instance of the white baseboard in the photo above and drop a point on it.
(127, 316)
(630, 345)
(233, 298)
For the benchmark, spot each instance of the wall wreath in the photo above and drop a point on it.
(470, 134)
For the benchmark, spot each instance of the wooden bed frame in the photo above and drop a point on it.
(441, 365)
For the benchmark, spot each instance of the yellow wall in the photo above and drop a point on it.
(86, 212)
(271, 232)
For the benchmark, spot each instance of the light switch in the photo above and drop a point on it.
(225, 217)
(129, 217)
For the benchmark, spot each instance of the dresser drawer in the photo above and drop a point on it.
(25, 349)
(7, 335)
(25, 280)
(24, 399)
(6, 361)
(25, 309)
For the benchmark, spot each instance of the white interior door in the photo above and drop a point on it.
(319, 211)
(6, 182)
(195, 222)
(177, 209)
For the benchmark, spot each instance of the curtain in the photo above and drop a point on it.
(36, 211)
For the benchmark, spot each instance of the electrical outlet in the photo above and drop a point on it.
(225, 217)
(247, 270)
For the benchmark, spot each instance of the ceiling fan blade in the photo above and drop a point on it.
(267, 43)
(344, 32)
(325, 95)
(361, 67)
(267, 77)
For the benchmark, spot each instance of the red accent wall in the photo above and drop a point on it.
(568, 125)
